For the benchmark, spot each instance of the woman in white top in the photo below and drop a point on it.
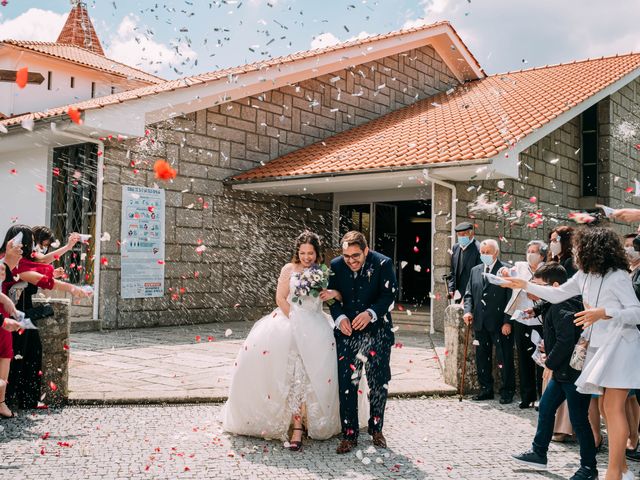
(530, 373)
(612, 312)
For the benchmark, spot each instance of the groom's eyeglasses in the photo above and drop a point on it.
(355, 256)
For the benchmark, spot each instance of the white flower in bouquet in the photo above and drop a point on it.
(310, 282)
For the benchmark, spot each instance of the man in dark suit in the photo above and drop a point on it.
(465, 255)
(363, 333)
(484, 305)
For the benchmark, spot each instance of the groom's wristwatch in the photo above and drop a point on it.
(370, 314)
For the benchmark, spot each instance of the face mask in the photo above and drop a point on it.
(632, 255)
(486, 259)
(41, 249)
(534, 258)
(463, 241)
(556, 248)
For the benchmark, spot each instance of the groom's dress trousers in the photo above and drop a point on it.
(372, 288)
(487, 303)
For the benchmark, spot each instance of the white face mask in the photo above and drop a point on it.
(534, 258)
(632, 255)
(556, 248)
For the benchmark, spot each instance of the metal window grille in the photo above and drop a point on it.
(73, 206)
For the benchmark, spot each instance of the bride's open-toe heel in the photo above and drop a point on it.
(296, 446)
(2, 415)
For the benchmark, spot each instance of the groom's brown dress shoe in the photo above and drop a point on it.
(379, 440)
(346, 446)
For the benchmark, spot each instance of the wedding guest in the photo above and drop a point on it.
(530, 372)
(465, 255)
(632, 406)
(25, 279)
(484, 305)
(634, 262)
(561, 248)
(7, 310)
(611, 312)
(560, 337)
(44, 239)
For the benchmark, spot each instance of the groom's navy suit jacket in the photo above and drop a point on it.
(374, 288)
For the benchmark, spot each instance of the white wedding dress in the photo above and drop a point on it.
(284, 363)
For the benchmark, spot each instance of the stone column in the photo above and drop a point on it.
(441, 246)
(54, 335)
(454, 338)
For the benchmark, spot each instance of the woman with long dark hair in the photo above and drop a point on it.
(23, 282)
(611, 314)
(561, 248)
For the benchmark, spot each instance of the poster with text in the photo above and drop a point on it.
(142, 247)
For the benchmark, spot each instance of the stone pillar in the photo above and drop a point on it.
(454, 338)
(54, 335)
(441, 246)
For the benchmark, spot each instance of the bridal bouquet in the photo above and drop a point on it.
(310, 282)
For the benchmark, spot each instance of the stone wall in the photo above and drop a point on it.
(247, 236)
(54, 333)
(620, 125)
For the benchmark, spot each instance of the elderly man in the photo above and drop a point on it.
(484, 306)
(465, 255)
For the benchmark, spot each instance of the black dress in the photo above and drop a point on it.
(24, 389)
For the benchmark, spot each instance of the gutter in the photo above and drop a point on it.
(454, 197)
(98, 232)
(232, 182)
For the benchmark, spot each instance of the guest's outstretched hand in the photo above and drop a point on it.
(514, 283)
(628, 215)
(588, 317)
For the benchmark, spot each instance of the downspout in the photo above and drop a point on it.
(454, 196)
(97, 242)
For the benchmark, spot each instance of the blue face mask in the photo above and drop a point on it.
(486, 259)
(463, 241)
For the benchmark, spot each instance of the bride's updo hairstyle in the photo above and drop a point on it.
(312, 239)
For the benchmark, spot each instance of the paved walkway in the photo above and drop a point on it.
(428, 439)
(193, 363)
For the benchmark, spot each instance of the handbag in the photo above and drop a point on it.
(39, 312)
(579, 354)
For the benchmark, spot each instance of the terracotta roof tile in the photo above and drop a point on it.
(78, 30)
(478, 120)
(220, 74)
(84, 57)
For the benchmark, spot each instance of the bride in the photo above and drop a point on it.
(286, 372)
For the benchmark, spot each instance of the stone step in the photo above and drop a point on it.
(85, 324)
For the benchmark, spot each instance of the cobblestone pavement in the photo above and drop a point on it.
(193, 363)
(429, 438)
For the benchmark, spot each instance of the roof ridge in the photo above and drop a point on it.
(27, 43)
(563, 64)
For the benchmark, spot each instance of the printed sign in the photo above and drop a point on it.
(142, 247)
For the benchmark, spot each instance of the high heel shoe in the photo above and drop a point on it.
(297, 445)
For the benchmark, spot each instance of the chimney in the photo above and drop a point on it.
(78, 29)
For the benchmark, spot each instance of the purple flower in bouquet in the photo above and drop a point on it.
(310, 282)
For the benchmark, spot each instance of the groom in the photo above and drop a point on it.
(363, 333)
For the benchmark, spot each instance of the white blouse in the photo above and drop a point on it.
(616, 296)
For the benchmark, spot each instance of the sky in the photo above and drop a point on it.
(179, 38)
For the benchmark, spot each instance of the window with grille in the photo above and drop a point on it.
(73, 206)
(589, 150)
